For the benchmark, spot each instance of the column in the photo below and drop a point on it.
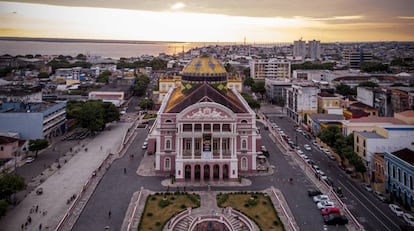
(211, 172)
(192, 147)
(221, 147)
(201, 173)
(221, 172)
(192, 172)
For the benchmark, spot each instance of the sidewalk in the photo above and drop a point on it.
(59, 189)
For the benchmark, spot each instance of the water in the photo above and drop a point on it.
(108, 50)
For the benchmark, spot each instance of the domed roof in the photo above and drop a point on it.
(204, 65)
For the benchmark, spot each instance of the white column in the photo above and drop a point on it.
(221, 147)
(192, 147)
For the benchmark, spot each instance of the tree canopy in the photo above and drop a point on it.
(37, 145)
(313, 66)
(259, 87)
(248, 81)
(345, 90)
(373, 67)
(146, 104)
(92, 114)
(9, 184)
(103, 77)
(254, 104)
(368, 84)
(141, 84)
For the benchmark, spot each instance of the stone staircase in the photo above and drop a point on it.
(236, 223)
(184, 223)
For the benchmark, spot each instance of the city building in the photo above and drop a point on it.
(301, 99)
(9, 147)
(33, 121)
(378, 172)
(329, 103)
(368, 123)
(166, 82)
(205, 131)
(314, 50)
(19, 93)
(406, 116)
(299, 49)
(354, 57)
(275, 90)
(388, 138)
(317, 122)
(399, 176)
(270, 68)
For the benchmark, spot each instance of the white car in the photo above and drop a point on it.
(30, 159)
(409, 219)
(322, 175)
(300, 152)
(396, 209)
(367, 187)
(307, 147)
(145, 145)
(325, 204)
(380, 196)
(320, 198)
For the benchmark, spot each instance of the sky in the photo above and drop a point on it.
(211, 20)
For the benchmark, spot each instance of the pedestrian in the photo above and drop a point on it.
(22, 226)
(109, 214)
(40, 226)
(29, 219)
(37, 208)
(124, 170)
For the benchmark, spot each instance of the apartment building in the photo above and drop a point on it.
(271, 68)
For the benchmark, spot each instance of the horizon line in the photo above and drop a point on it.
(54, 39)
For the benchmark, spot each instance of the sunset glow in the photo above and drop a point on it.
(176, 23)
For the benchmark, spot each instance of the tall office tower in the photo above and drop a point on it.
(354, 57)
(314, 49)
(299, 49)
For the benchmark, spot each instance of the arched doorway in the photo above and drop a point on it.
(206, 172)
(187, 172)
(197, 172)
(216, 171)
(225, 171)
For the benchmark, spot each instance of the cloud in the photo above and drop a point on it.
(406, 17)
(178, 5)
(349, 17)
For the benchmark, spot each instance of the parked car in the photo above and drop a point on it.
(30, 159)
(367, 187)
(325, 204)
(307, 147)
(396, 209)
(328, 211)
(313, 192)
(335, 219)
(329, 182)
(319, 198)
(380, 196)
(409, 219)
(338, 191)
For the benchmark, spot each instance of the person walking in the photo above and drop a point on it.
(125, 170)
(109, 214)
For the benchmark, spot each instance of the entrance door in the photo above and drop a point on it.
(207, 172)
(225, 171)
(187, 172)
(216, 170)
(197, 172)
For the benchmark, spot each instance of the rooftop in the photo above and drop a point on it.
(406, 155)
(408, 113)
(372, 135)
(376, 119)
(325, 117)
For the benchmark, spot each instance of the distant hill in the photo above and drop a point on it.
(82, 40)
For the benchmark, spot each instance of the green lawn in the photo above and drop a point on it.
(160, 208)
(257, 206)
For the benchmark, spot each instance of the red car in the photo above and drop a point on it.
(328, 211)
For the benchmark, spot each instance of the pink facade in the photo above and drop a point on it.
(8, 147)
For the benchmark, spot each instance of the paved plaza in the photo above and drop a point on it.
(46, 210)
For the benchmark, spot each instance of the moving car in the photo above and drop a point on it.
(335, 219)
(328, 211)
(325, 204)
(320, 198)
(396, 209)
(145, 145)
(264, 151)
(367, 187)
(409, 219)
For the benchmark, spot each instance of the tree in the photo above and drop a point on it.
(141, 85)
(43, 75)
(92, 116)
(368, 84)
(3, 207)
(248, 81)
(345, 90)
(81, 57)
(111, 112)
(329, 135)
(146, 104)
(359, 165)
(254, 104)
(246, 72)
(373, 67)
(259, 87)
(37, 145)
(10, 184)
(103, 77)
(229, 68)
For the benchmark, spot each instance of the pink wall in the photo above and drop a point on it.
(9, 149)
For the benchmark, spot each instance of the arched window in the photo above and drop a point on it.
(244, 163)
(168, 144)
(243, 121)
(244, 144)
(167, 164)
(168, 121)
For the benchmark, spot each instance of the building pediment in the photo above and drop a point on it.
(206, 111)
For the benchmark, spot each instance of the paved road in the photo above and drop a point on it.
(370, 212)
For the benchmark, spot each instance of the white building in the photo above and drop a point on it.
(314, 49)
(301, 98)
(272, 68)
(299, 49)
